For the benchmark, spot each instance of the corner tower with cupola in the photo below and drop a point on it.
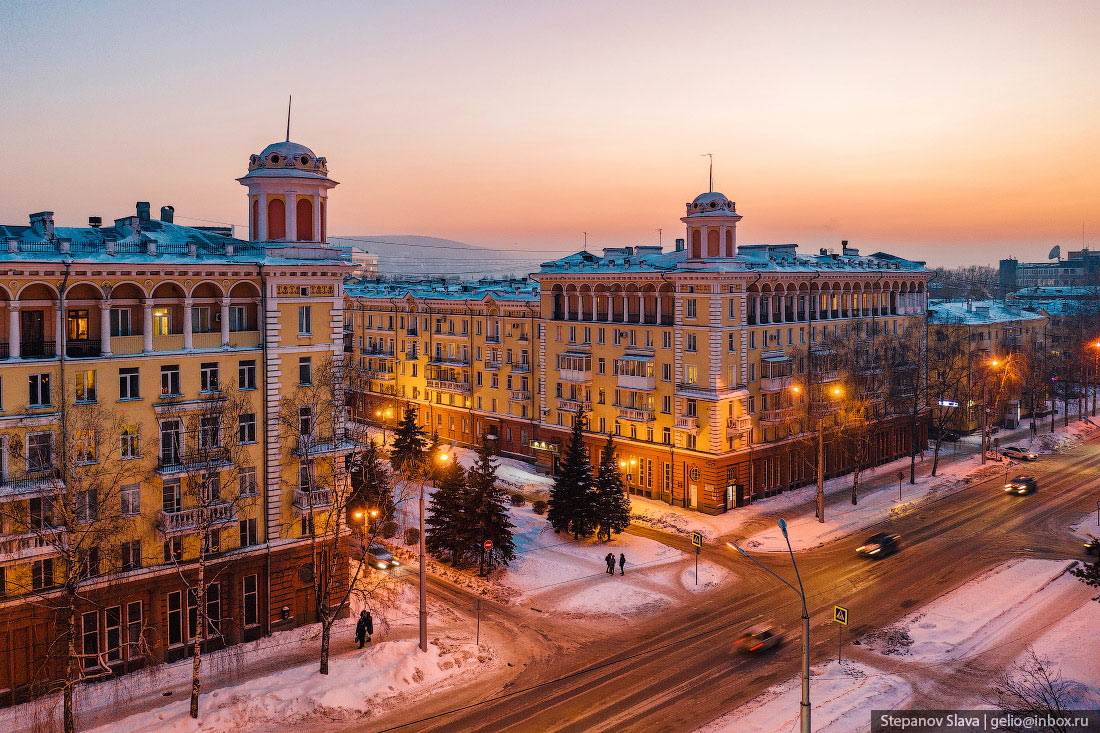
(711, 221)
(287, 194)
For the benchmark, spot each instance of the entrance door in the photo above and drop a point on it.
(693, 496)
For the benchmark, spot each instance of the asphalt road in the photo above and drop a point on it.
(677, 671)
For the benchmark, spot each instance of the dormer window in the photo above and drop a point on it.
(274, 158)
(304, 160)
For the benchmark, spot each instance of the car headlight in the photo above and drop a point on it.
(877, 549)
(381, 565)
(394, 562)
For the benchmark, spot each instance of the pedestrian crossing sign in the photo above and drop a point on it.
(697, 539)
(840, 615)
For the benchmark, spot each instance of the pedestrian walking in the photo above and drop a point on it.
(622, 564)
(364, 628)
(609, 560)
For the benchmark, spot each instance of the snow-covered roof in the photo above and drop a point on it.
(977, 313)
(1051, 291)
(749, 258)
(510, 289)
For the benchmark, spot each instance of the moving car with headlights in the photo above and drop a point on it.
(1019, 454)
(1092, 545)
(380, 557)
(879, 545)
(758, 639)
(1022, 485)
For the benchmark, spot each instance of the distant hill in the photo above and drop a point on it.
(408, 254)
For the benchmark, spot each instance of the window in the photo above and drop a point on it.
(305, 370)
(130, 442)
(162, 321)
(307, 525)
(78, 325)
(131, 499)
(250, 600)
(42, 574)
(171, 439)
(305, 320)
(129, 384)
(248, 532)
(133, 623)
(170, 496)
(87, 505)
(39, 451)
(85, 385)
(208, 376)
(690, 343)
(666, 372)
(691, 408)
(84, 449)
(212, 542)
(305, 421)
(173, 549)
(752, 339)
(666, 339)
(238, 321)
(692, 374)
(690, 307)
(247, 481)
(170, 380)
(246, 374)
(246, 429)
(89, 639)
(175, 618)
(214, 608)
(39, 390)
(200, 319)
(209, 432)
(120, 322)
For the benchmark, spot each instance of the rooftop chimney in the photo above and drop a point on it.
(680, 247)
(143, 210)
(168, 214)
(95, 222)
(42, 222)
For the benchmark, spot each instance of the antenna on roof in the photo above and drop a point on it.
(585, 241)
(710, 176)
(289, 100)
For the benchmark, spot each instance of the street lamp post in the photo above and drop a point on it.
(804, 711)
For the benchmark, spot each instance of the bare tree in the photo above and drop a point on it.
(208, 476)
(1031, 686)
(907, 383)
(948, 362)
(72, 506)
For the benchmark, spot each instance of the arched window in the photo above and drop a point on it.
(713, 246)
(696, 244)
(729, 242)
(255, 219)
(305, 219)
(323, 220)
(276, 219)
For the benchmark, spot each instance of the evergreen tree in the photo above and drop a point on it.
(487, 512)
(446, 515)
(371, 483)
(1089, 574)
(612, 504)
(409, 443)
(572, 499)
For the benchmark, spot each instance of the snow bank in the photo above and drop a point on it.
(842, 695)
(357, 684)
(1066, 647)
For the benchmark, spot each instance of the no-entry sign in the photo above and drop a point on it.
(488, 544)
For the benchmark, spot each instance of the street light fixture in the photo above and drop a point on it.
(800, 591)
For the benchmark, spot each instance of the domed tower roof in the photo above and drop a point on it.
(287, 160)
(711, 203)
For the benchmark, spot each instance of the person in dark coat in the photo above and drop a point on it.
(610, 561)
(364, 628)
(622, 564)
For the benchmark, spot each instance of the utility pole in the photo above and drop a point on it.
(423, 598)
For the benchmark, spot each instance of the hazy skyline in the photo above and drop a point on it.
(946, 133)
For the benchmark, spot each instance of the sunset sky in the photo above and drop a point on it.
(957, 132)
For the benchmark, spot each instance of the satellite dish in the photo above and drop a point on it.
(1055, 252)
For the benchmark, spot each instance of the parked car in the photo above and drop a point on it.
(879, 545)
(758, 639)
(1020, 454)
(380, 557)
(1022, 485)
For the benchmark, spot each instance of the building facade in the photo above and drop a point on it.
(1081, 267)
(686, 356)
(149, 321)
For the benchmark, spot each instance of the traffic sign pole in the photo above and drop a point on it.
(697, 541)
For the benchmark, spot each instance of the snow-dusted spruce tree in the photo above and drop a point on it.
(487, 507)
(371, 486)
(446, 519)
(409, 442)
(572, 499)
(612, 504)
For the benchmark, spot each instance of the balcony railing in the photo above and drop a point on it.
(777, 415)
(521, 368)
(738, 426)
(492, 338)
(323, 447)
(493, 365)
(774, 384)
(190, 461)
(317, 499)
(26, 546)
(575, 375)
(32, 484)
(445, 386)
(521, 395)
(574, 405)
(643, 384)
(635, 414)
(193, 520)
(686, 422)
(5, 352)
(379, 376)
(38, 349)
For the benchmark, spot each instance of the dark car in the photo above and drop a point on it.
(879, 545)
(380, 557)
(1022, 485)
(758, 639)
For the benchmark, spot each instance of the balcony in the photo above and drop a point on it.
(173, 462)
(574, 405)
(244, 339)
(738, 426)
(778, 415)
(830, 375)
(521, 395)
(492, 338)
(186, 521)
(378, 376)
(641, 384)
(37, 349)
(634, 414)
(168, 342)
(31, 485)
(83, 348)
(686, 422)
(521, 368)
(127, 344)
(323, 447)
(316, 499)
(458, 361)
(26, 546)
(576, 376)
(445, 386)
(775, 384)
(375, 351)
(492, 365)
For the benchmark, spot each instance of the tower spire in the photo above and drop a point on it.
(290, 99)
(710, 173)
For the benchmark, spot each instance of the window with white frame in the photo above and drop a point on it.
(38, 390)
(305, 320)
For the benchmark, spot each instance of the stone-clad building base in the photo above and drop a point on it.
(32, 646)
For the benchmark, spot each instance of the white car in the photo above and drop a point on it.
(1020, 454)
